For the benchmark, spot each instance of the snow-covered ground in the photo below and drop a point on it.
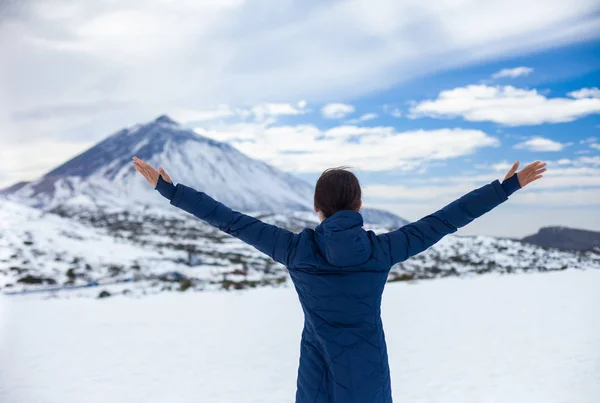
(517, 338)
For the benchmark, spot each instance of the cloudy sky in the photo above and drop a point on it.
(426, 100)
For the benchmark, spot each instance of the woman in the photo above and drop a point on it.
(339, 271)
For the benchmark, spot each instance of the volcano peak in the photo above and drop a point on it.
(165, 119)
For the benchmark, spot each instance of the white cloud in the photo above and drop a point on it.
(186, 115)
(595, 146)
(536, 194)
(152, 57)
(502, 166)
(499, 166)
(514, 72)
(577, 197)
(45, 153)
(397, 113)
(505, 105)
(279, 109)
(564, 161)
(589, 140)
(541, 144)
(592, 161)
(336, 110)
(193, 54)
(363, 118)
(542, 192)
(584, 171)
(260, 112)
(306, 148)
(581, 180)
(414, 193)
(392, 111)
(585, 93)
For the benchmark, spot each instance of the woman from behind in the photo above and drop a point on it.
(339, 271)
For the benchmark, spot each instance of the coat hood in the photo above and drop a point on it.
(342, 239)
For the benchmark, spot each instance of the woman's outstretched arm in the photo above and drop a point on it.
(416, 237)
(269, 239)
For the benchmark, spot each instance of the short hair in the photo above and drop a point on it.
(337, 189)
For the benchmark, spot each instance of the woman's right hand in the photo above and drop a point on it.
(150, 173)
(529, 174)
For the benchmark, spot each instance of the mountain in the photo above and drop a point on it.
(13, 188)
(565, 238)
(104, 177)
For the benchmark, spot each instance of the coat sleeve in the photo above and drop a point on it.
(414, 238)
(269, 239)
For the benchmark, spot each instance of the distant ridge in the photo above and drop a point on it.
(565, 238)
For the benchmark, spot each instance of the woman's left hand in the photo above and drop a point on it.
(530, 173)
(150, 173)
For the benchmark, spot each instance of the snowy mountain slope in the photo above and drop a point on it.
(148, 250)
(103, 177)
(383, 218)
(13, 188)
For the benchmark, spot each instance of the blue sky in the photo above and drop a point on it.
(569, 143)
(425, 101)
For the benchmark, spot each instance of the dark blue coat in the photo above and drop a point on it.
(339, 271)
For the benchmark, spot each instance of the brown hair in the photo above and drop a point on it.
(337, 189)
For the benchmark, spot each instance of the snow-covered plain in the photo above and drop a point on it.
(523, 338)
